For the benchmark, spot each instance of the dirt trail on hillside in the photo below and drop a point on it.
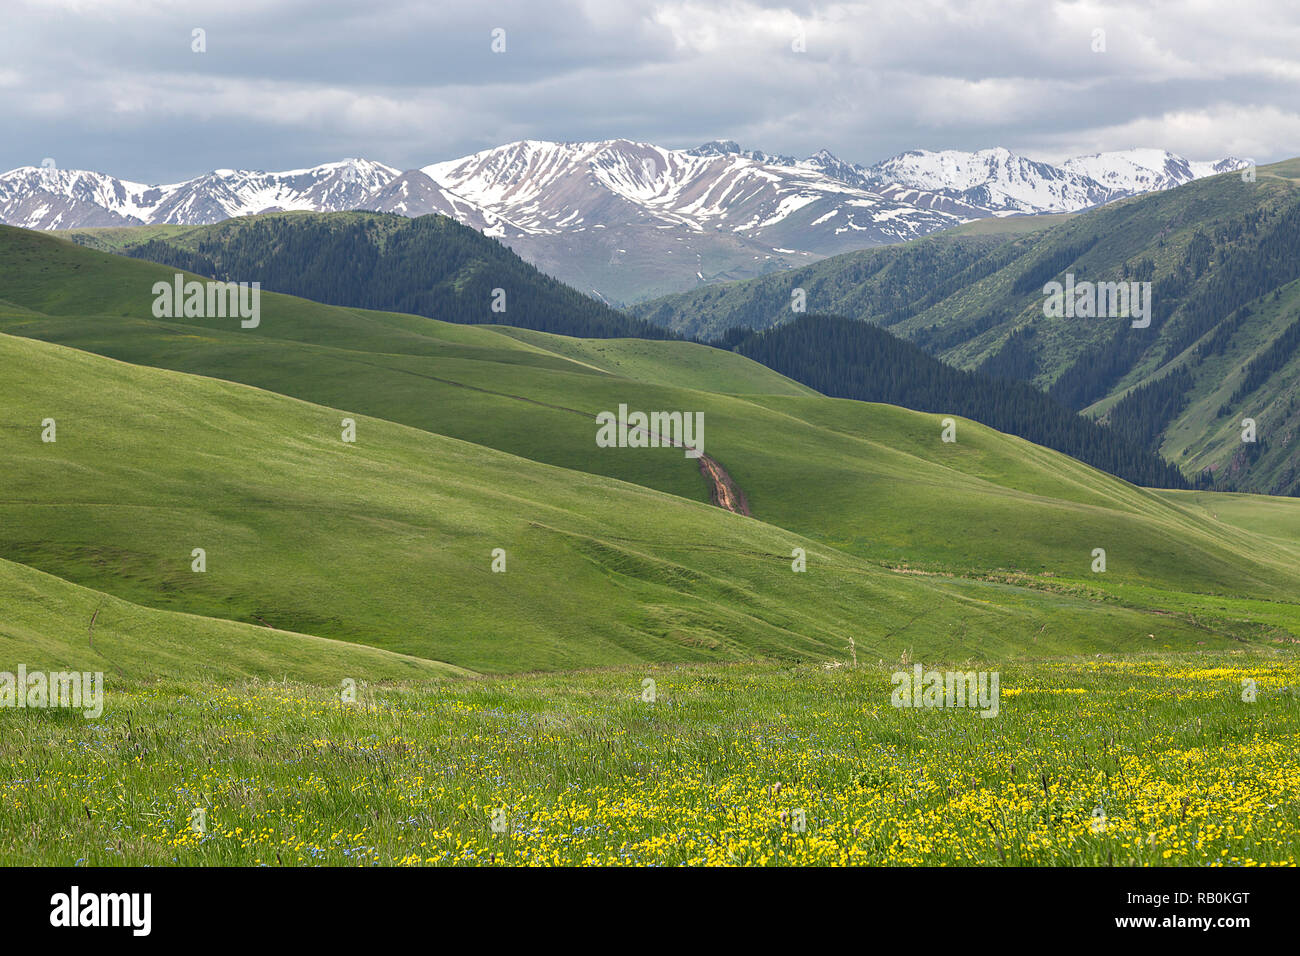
(725, 493)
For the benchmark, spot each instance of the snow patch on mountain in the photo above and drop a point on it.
(576, 209)
(71, 198)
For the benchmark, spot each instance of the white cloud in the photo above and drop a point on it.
(292, 82)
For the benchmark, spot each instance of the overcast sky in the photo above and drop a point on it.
(114, 85)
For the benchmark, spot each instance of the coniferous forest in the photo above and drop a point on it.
(431, 266)
(436, 267)
(845, 358)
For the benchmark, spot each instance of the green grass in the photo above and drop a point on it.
(389, 541)
(677, 364)
(867, 487)
(958, 295)
(119, 238)
(49, 624)
(874, 480)
(1122, 736)
(1270, 517)
(1152, 760)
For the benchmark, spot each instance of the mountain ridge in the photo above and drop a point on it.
(1225, 287)
(625, 220)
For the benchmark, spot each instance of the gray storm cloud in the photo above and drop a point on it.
(115, 85)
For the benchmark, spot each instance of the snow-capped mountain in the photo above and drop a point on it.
(993, 179)
(226, 193)
(625, 219)
(998, 181)
(38, 197)
(540, 188)
(1144, 170)
(413, 194)
(1002, 183)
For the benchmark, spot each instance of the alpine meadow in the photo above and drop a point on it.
(559, 482)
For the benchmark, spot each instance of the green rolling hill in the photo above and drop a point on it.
(472, 438)
(1222, 346)
(879, 483)
(438, 269)
(51, 624)
(389, 541)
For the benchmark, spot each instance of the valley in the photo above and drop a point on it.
(553, 652)
(1220, 256)
(663, 434)
(625, 221)
(499, 426)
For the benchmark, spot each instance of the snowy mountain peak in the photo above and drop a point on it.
(575, 206)
(47, 198)
(1143, 170)
(727, 147)
(1003, 182)
(717, 147)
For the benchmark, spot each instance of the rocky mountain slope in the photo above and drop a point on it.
(624, 220)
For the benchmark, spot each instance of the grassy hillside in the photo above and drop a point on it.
(680, 364)
(50, 624)
(983, 543)
(501, 387)
(873, 481)
(301, 245)
(46, 275)
(389, 541)
(121, 238)
(882, 284)
(1219, 254)
(846, 358)
(1270, 517)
